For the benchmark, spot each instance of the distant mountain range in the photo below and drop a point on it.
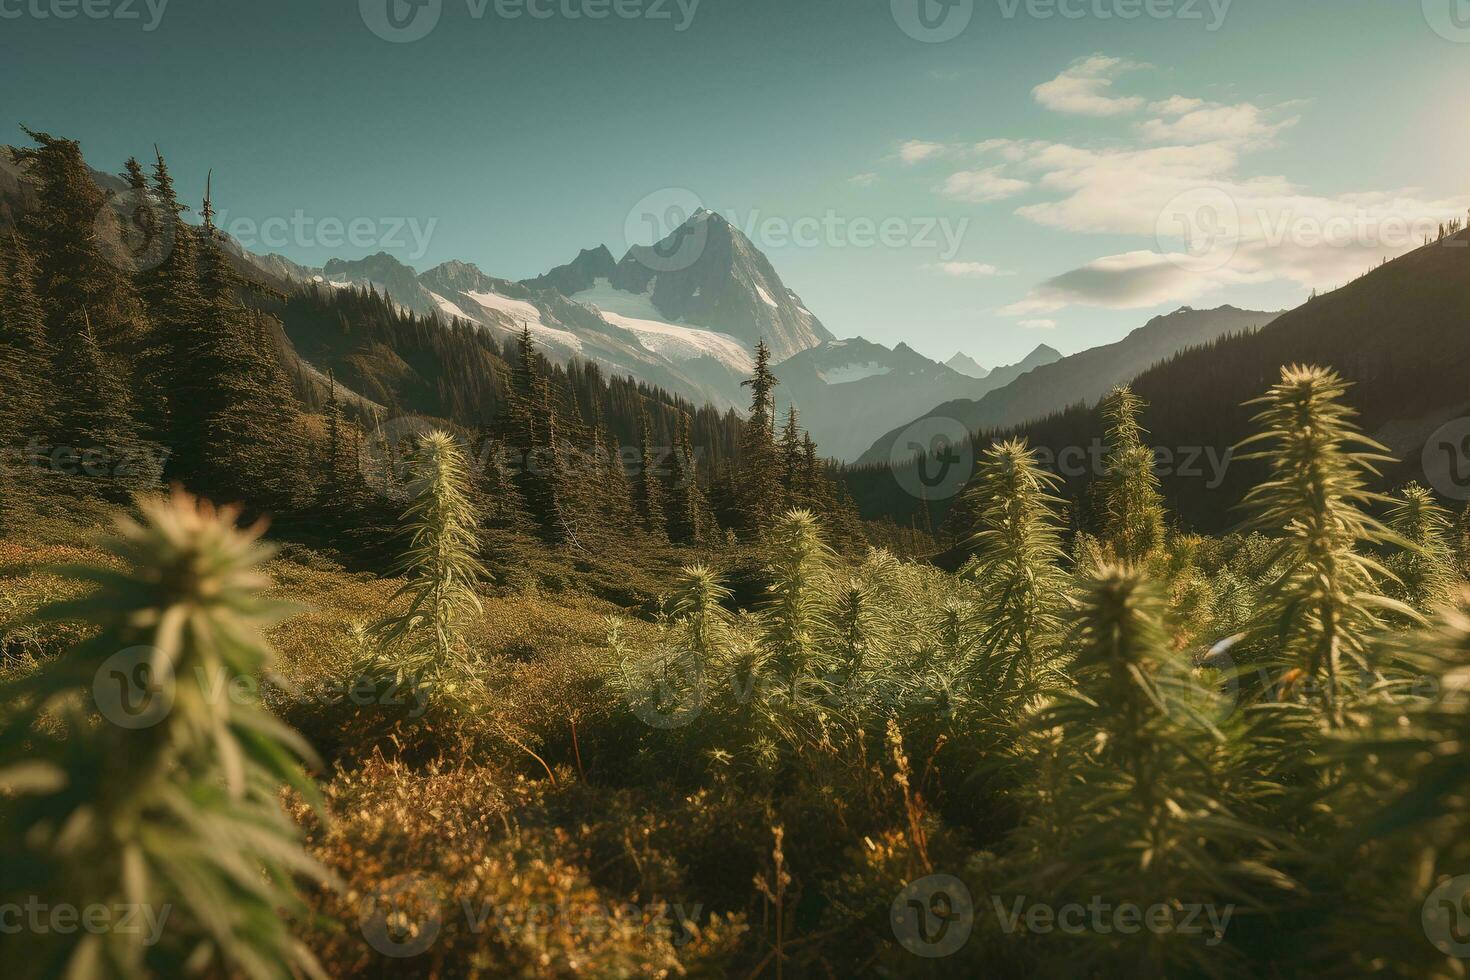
(966, 365)
(846, 390)
(1083, 377)
(685, 314)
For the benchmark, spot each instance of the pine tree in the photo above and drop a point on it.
(1133, 508)
(790, 450)
(27, 369)
(169, 803)
(685, 502)
(648, 488)
(759, 480)
(98, 441)
(78, 269)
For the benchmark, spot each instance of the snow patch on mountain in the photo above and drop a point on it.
(635, 313)
(450, 307)
(520, 312)
(848, 373)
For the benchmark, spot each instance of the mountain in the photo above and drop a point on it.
(709, 274)
(965, 364)
(689, 361)
(1087, 376)
(846, 390)
(579, 274)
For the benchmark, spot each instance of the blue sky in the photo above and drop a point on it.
(1102, 170)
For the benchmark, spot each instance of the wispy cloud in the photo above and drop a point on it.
(917, 151)
(970, 270)
(1039, 324)
(1083, 89)
(980, 186)
(863, 180)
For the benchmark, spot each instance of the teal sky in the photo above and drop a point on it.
(519, 141)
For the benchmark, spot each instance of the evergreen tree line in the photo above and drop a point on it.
(137, 349)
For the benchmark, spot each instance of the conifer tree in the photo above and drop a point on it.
(98, 440)
(617, 492)
(685, 502)
(169, 802)
(648, 488)
(27, 370)
(790, 450)
(77, 268)
(1131, 502)
(759, 483)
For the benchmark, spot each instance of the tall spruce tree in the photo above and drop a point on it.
(758, 485)
(648, 486)
(27, 370)
(685, 502)
(98, 442)
(83, 255)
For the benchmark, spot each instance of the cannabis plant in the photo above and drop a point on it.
(1016, 567)
(141, 775)
(1145, 821)
(1133, 508)
(1426, 571)
(1321, 610)
(441, 564)
(799, 566)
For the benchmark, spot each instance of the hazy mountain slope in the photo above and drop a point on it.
(846, 390)
(967, 365)
(1086, 376)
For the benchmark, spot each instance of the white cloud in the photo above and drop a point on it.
(979, 186)
(1179, 181)
(864, 180)
(970, 270)
(917, 151)
(1039, 324)
(1133, 280)
(1082, 90)
(1205, 122)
